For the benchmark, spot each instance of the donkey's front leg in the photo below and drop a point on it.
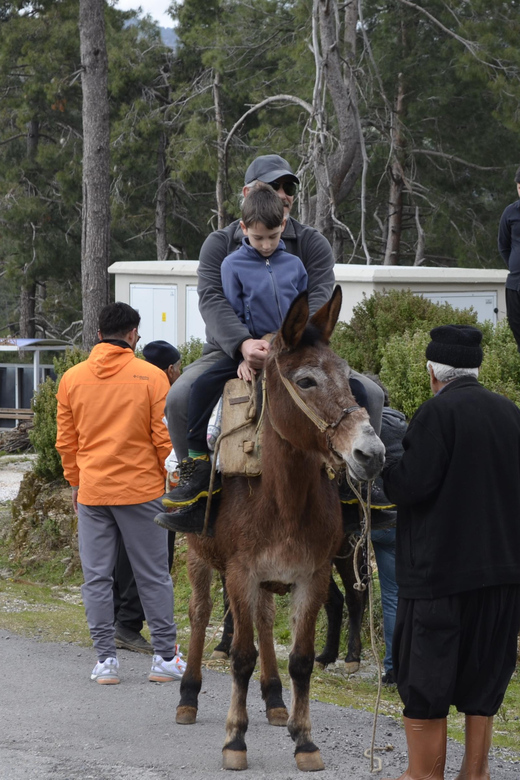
(308, 597)
(243, 659)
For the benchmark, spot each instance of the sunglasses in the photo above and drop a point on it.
(289, 187)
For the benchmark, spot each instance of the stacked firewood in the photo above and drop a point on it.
(16, 439)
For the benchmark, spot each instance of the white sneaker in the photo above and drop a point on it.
(167, 671)
(106, 672)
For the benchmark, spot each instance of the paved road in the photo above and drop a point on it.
(55, 724)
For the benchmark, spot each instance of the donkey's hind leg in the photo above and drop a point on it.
(221, 651)
(270, 682)
(308, 598)
(243, 659)
(200, 575)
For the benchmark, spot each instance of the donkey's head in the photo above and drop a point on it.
(310, 401)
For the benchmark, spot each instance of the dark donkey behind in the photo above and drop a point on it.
(280, 531)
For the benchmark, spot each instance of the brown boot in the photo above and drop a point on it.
(426, 741)
(479, 734)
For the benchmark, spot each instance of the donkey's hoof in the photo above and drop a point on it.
(277, 716)
(219, 655)
(309, 762)
(186, 715)
(351, 667)
(234, 759)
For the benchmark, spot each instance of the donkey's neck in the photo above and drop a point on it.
(286, 470)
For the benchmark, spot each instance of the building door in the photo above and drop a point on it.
(157, 305)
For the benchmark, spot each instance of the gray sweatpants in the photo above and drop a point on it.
(99, 530)
(176, 409)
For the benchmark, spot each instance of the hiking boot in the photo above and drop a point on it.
(388, 678)
(132, 640)
(106, 672)
(189, 519)
(193, 484)
(167, 671)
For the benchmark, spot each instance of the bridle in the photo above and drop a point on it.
(321, 424)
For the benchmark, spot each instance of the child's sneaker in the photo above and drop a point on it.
(167, 671)
(106, 672)
(193, 484)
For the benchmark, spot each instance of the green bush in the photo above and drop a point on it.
(190, 351)
(363, 340)
(404, 373)
(43, 434)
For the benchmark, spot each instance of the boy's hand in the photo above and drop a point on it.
(244, 372)
(254, 352)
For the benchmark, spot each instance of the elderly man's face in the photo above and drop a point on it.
(278, 187)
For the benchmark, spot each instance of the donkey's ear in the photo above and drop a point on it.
(295, 321)
(325, 318)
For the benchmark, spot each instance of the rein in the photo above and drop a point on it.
(322, 425)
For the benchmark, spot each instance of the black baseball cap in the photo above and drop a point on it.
(268, 168)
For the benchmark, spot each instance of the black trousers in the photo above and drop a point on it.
(205, 393)
(460, 650)
(128, 610)
(513, 313)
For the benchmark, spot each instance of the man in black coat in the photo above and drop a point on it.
(457, 488)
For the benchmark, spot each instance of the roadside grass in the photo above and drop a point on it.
(37, 601)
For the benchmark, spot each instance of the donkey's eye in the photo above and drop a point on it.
(306, 382)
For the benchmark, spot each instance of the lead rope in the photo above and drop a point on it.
(364, 581)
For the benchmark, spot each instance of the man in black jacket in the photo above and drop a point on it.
(457, 488)
(225, 333)
(509, 248)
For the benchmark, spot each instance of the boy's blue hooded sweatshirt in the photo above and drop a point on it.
(261, 289)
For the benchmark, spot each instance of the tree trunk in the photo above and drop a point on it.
(27, 324)
(95, 239)
(337, 170)
(33, 137)
(221, 153)
(395, 198)
(161, 236)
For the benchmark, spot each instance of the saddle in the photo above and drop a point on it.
(239, 444)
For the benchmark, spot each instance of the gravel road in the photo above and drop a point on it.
(55, 724)
(58, 725)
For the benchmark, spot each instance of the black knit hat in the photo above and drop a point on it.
(455, 345)
(161, 353)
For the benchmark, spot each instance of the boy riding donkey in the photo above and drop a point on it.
(260, 280)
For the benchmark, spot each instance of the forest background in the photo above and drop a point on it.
(400, 118)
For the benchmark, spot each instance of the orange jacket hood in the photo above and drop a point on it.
(106, 359)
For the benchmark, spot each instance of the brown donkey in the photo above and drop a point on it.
(280, 531)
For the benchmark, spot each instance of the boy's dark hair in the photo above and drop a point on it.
(263, 205)
(118, 319)
(517, 176)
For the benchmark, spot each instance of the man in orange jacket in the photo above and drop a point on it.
(113, 442)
